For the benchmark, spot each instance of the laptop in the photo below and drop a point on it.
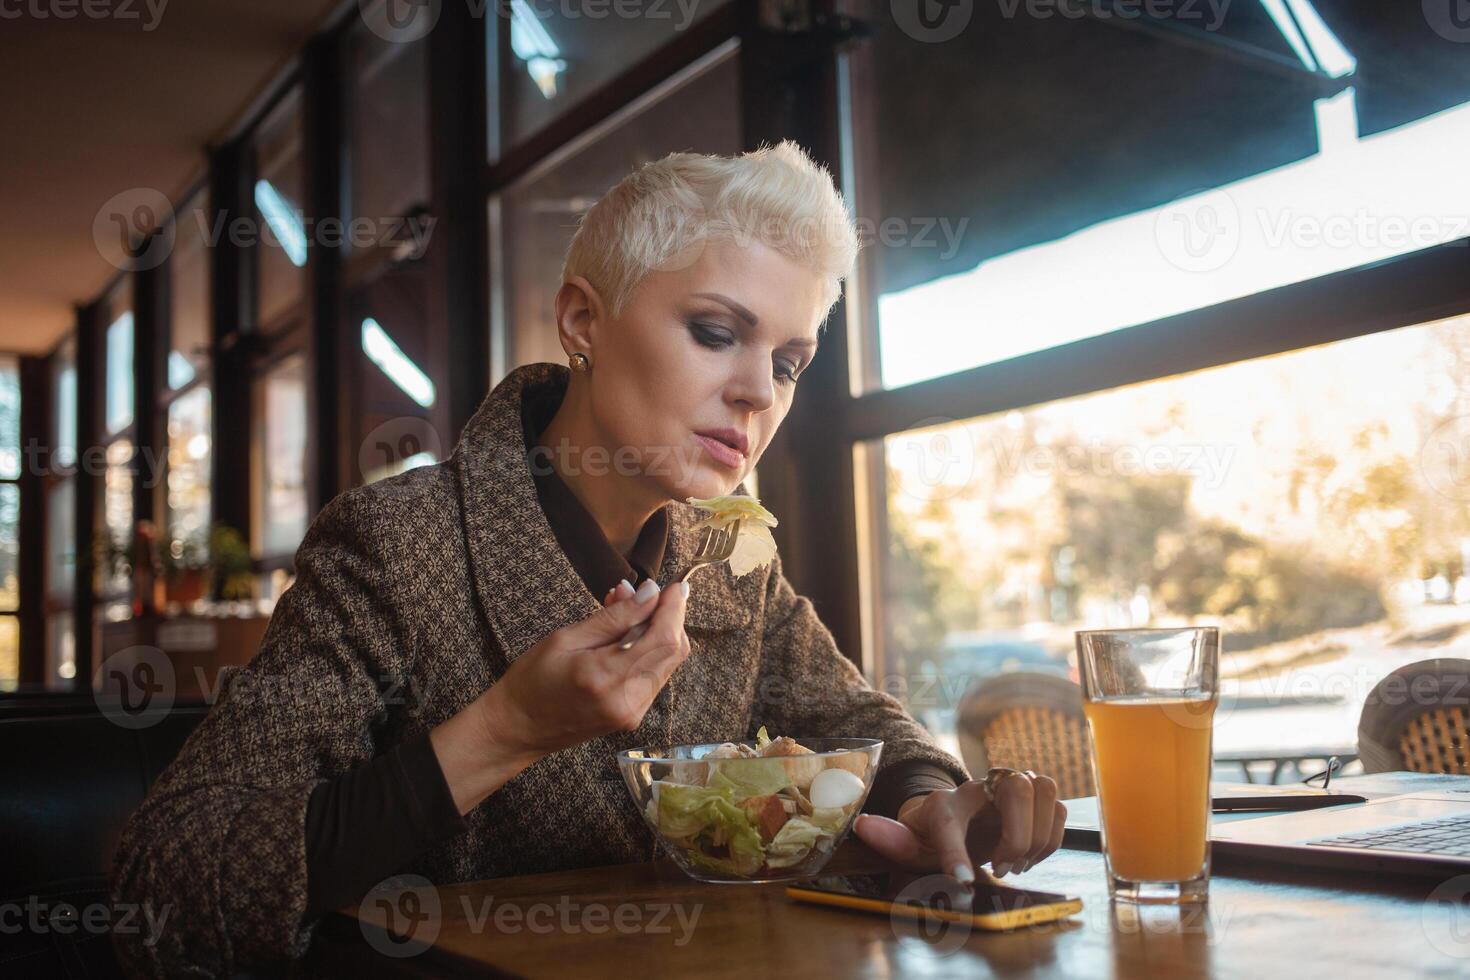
(1417, 824)
(1420, 833)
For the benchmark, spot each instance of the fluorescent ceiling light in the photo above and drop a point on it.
(284, 221)
(382, 351)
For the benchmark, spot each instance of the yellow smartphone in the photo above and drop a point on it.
(990, 906)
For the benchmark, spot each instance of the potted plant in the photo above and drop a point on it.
(230, 563)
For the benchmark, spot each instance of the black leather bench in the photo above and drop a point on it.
(70, 776)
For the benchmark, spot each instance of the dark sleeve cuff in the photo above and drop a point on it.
(364, 825)
(896, 784)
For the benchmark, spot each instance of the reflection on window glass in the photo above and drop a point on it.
(560, 55)
(540, 214)
(117, 508)
(189, 285)
(283, 458)
(64, 422)
(999, 227)
(9, 546)
(9, 653)
(9, 418)
(61, 653)
(120, 373)
(389, 127)
(1312, 504)
(188, 472)
(279, 193)
(61, 543)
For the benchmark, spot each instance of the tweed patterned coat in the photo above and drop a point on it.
(412, 596)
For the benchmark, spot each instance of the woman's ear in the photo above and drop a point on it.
(578, 309)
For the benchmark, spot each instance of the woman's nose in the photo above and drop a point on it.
(753, 388)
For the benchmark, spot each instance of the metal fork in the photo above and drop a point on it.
(715, 545)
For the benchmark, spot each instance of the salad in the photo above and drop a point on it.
(767, 810)
(755, 546)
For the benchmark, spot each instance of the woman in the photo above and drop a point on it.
(441, 691)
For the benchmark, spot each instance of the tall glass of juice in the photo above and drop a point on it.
(1150, 696)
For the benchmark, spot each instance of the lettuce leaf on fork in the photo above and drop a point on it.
(755, 546)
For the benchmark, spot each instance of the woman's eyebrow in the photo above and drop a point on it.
(740, 311)
(750, 318)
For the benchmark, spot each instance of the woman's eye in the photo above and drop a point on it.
(708, 335)
(786, 372)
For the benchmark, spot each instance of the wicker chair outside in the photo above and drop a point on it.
(1027, 721)
(1418, 719)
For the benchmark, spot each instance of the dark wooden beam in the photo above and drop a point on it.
(150, 343)
(458, 290)
(1411, 289)
(231, 305)
(35, 424)
(331, 454)
(90, 472)
(789, 90)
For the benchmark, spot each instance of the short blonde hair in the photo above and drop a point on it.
(776, 195)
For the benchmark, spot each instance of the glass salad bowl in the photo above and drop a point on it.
(768, 810)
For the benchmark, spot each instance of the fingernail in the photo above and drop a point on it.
(1001, 868)
(647, 590)
(624, 586)
(964, 874)
(684, 588)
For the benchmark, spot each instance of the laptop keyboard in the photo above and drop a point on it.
(1449, 836)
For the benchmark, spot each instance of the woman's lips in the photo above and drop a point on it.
(720, 452)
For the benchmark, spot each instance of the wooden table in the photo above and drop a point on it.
(625, 921)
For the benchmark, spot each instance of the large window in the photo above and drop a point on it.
(561, 54)
(189, 294)
(533, 221)
(188, 399)
(61, 537)
(280, 500)
(118, 444)
(389, 146)
(279, 195)
(1078, 178)
(1311, 504)
(9, 523)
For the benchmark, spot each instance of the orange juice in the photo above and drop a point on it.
(1153, 772)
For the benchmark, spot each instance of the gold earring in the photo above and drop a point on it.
(580, 362)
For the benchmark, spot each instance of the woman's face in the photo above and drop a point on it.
(700, 369)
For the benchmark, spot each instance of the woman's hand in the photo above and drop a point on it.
(576, 685)
(954, 830)
(573, 686)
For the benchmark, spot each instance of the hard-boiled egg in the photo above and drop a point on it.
(835, 788)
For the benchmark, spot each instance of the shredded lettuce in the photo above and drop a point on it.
(762, 739)
(684, 811)
(828, 818)
(744, 778)
(793, 842)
